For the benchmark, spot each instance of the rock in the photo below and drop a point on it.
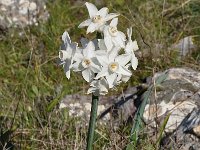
(116, 108)
(80, 106)
(178, 95)
(20, 13)
(178, 111)
(186, 136)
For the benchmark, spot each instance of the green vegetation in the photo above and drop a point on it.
(31, 82)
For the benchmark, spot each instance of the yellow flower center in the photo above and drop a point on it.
(113, 66)
(97, 19)
(86, 63)
(113, 31)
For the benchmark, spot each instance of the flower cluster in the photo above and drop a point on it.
(99, 60)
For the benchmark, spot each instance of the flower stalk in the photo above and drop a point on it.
(92, 123)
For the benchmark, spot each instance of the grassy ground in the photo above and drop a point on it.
(30, 78)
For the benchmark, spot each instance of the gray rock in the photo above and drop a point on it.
(116, 108)
(187, 134)
(179, 97)
(179, 94)
(20, 13)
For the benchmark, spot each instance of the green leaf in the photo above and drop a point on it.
(162, 129)
(120, 2)
(54, 102)
(137, 125)
(35, 90)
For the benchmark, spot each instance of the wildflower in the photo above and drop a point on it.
(98, 87)
(112, 36)
(130, 48)
(112, 66)
(86, 62)
(98, 18)
(67, 52)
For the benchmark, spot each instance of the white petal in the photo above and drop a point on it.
(135, 46)
(63, 55)
(95, 61)
(122, 35)
(108, 42)
(66, 38)
(118, 41)
(87, 75)
(129, 48)
(114, 22)
(104, 82)
(103, 73)
(85, 23)
(103, 12)
(92, 27)
(123, 59)
(91, 90)
(123, 71)
(88, 52)
(111, 79)
(112, 55)
(92, 9)
(77, 66)
(110, 16)
(105, 31)
(95, 68)
(103, 89)
(134, 62)
(101, 27)
(67, 67)
(101, 44)
(102, 57)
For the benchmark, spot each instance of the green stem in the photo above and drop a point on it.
(93, 116)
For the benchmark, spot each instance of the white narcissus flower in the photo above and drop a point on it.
(87, 62)
(112, 36)
(98, 87)
(132, 46)
(124, 78)
(98, 18)
(112, 67)
(67, 52)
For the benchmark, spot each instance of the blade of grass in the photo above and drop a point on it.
(162, 129)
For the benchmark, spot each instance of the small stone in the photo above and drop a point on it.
(62, 105)
(71, 112)
(87, 106)
(78, 105)
(32, 6)
(80, 113)
(196, 130)
(23, 11)
(6, 2)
